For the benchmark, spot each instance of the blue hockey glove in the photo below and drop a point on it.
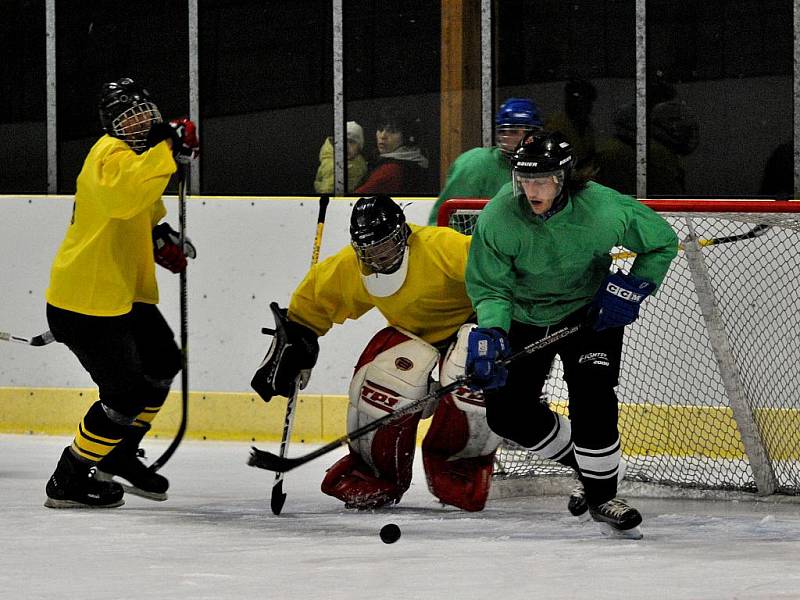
(618, 299)
(484, 348)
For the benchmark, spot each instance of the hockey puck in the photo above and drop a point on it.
(390, 533)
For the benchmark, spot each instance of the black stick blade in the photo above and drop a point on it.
(278, 498)
(271, 462)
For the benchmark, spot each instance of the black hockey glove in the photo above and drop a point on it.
(292, 354)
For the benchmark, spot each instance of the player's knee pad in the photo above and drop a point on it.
(351, 480)
(391, 373)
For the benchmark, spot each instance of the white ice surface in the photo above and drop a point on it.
(216, 538)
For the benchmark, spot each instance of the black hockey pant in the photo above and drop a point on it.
(591, 368)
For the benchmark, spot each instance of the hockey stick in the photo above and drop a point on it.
(280, 464)
(161, 460)
(278, 497)
(38, 340)
(755, 232)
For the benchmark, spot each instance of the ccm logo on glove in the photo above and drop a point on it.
(624, 294)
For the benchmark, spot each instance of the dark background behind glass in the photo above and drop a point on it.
(94, 44)
(731, 62)
(392, 55)
(266, 80)
(23, 97)
(266, 94)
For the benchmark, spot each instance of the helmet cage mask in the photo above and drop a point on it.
(132, 125)
(384, 255)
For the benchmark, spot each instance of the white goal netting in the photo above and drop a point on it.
(710, 385)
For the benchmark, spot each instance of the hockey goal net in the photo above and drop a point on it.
(710, 385)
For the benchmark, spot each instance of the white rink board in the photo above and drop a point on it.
(251, 251)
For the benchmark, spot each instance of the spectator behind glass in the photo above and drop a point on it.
(481, 172)
(356, 163)
(575, 121)
(401, 167)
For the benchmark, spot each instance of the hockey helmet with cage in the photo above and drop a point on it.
(378, 233)
(541, 155)
(127, 112)
(515, 118)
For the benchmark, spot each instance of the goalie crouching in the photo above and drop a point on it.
(414, 275)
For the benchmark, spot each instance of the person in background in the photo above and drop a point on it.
(356, 163)
(102, 297)
(481, 172)
(540, 262)
(414, 275)
(575, 122)
(401, 167)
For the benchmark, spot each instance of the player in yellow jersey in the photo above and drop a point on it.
(414, 276)
(102, 297)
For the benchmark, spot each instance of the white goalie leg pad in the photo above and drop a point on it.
(601, 463)
(393, 371)
(480, 440)
(558, 442)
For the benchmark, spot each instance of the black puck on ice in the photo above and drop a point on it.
(390, 533)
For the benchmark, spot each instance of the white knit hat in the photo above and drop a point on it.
(355, 133)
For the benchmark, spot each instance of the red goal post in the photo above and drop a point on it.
(710, 384)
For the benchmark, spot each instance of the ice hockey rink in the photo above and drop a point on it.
(216, 538)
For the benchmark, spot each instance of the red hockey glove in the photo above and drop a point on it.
(167, 251)
(182, 132)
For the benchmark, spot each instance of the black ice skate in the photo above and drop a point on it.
(75, 485)
(123, 462)
(577, 505)
(618, 518)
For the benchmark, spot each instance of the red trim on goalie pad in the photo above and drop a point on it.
(463, 482)
(392, 452)
(386, 338)
(351, 481)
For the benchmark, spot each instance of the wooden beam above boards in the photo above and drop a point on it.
(460, 112)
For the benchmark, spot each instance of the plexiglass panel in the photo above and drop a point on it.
(23, 97)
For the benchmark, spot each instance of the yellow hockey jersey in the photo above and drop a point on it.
(105, 262)
(432, 302)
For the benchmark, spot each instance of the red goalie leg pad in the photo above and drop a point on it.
(463, 483)
(351, 481)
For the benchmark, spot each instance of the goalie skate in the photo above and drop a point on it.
(617, 519)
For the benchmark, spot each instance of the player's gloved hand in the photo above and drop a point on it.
(618, 299)
(290, 358)
(484, 348)
(167, 251)
(183, 133)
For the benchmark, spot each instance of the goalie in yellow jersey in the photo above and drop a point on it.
(414, 276)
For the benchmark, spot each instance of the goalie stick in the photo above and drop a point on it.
(281, 464)
(38, 340)
(184, 308)
(278, 497)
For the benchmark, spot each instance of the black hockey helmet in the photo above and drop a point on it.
(127, 112)
(378, 233)
(539, 155)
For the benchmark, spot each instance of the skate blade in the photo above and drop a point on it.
(53, 503)
(634, 533)
(584, 517)
(131, 489)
